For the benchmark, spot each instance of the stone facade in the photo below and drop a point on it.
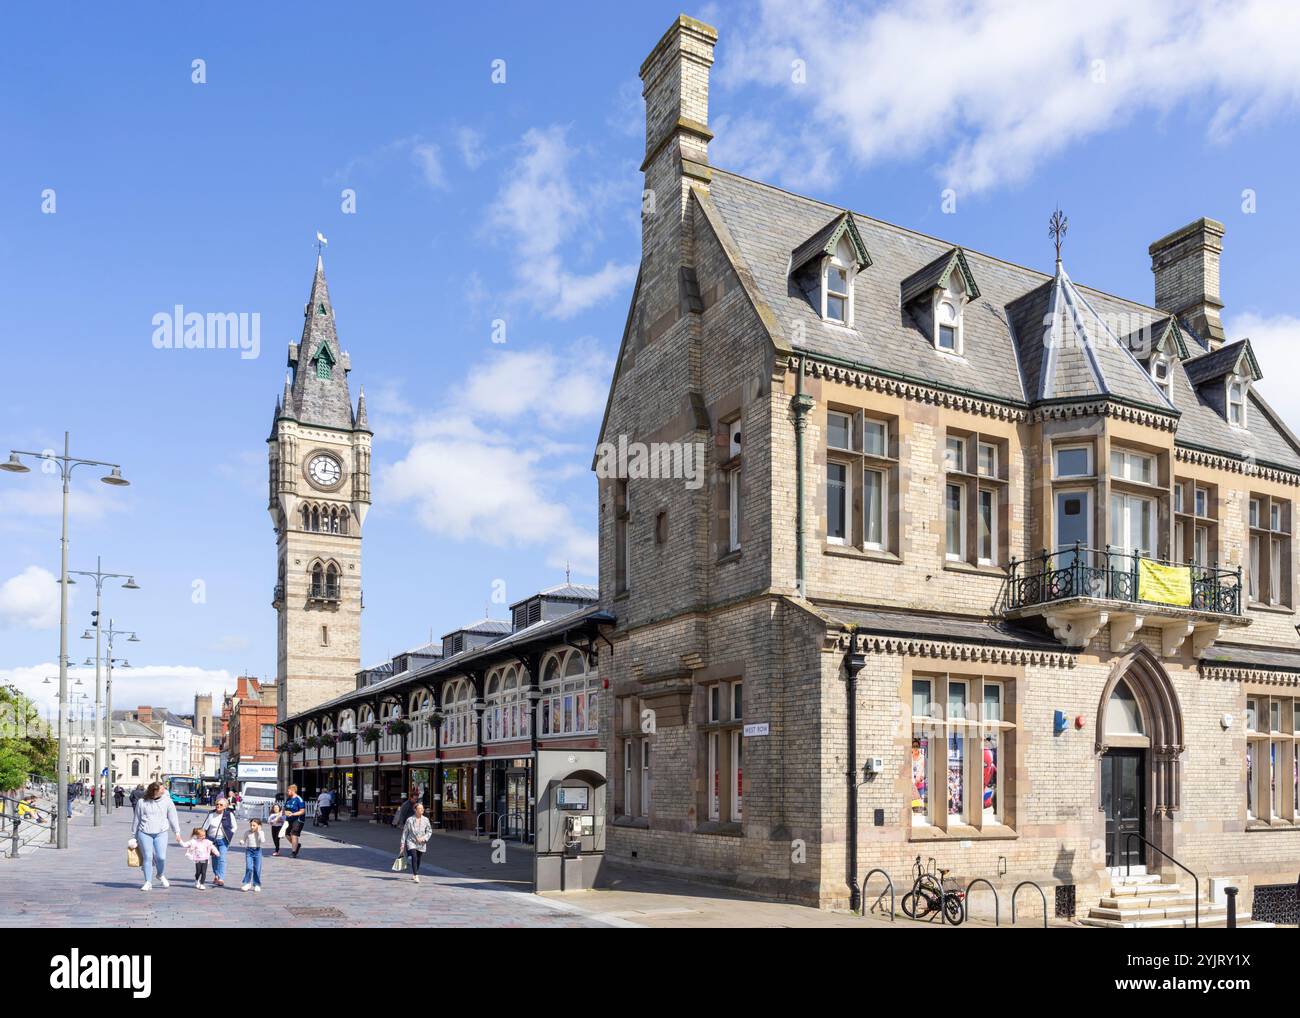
(319, 473)
(719, 337)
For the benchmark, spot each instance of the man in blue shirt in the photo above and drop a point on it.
(295, 812)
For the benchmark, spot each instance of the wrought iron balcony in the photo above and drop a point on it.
(324, 592)
(1113, 576)
(1077, 590)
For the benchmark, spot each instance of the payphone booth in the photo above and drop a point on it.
(570, 819)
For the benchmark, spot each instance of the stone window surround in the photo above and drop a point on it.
(1287, 738)
(1010, 679)
(972, 482)
(858, 461)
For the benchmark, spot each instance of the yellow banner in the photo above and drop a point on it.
(1164, 584)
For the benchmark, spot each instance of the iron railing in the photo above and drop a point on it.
(1078, 571)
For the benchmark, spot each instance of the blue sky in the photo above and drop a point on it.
(516, 201)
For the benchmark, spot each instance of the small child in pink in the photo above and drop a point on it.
(199, 850)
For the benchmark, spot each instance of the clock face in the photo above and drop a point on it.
(324, 470)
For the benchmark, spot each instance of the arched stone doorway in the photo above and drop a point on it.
(1139, 747)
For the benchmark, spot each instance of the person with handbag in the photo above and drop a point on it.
(416, 833)
(220, 826)
(275, 820)
(155, 813)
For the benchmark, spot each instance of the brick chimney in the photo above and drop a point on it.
(1186, 267)
(675, 80)
(144, 715)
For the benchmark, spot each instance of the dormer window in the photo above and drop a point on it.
(949, 320)
(1160, 374)
(837, 284)
(948, 303)
(1237, 402)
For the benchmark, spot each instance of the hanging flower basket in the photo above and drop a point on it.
(327, 740)
(291, 747)
(398, 726)
(312, 741)
(346, 736)
(370, 734)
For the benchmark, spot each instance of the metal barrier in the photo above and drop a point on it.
(25, 831)
(515, 823)
(997, 907)
(890, 888)
(1040, 894)
(482, 831)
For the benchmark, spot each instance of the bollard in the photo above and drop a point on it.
(14, 852)
(1231, 892)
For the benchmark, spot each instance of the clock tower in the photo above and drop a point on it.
(319, 469)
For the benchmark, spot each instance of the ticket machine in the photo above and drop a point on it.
(570, 819)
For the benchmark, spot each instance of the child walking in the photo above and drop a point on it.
(199, 850)
(253, 842)
(276, 820)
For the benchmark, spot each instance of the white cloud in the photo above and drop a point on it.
(170, 686)
(540, 211)
(470, 143)
(428, 159)
(30, 600)
(1276, 342)
(993, 89)
(473, 473)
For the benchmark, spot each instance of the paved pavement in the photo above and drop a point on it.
(344, 868)
(90, 885)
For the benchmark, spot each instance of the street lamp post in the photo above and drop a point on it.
(108, 686)
(99, 577)
(67, 463)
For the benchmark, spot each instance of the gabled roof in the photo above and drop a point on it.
(1162, 335)
(490, 627)
(935, 276)
(1233, 359)
(825, 240)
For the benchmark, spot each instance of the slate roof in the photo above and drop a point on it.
(1255, 657)
(1005, 356)
(507, 647)
(1217, 363)
(936, 274)
(307, 397)
(901, 623)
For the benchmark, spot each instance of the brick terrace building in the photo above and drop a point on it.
(848, 647)
(251, 722)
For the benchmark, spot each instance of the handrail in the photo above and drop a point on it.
(1040, 894)
(1196, 881)
(892, 914)
(965, 902)
(1081, 571)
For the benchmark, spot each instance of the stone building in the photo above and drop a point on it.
(177, 733)
(139, 752)
(988, 566)
(319, 474)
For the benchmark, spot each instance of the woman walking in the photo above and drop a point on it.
(415, 839)
(155, 813)
(220, 826)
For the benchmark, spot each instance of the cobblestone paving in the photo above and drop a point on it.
(90, 885)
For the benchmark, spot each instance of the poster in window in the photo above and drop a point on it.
(920, 786)
(580, 715)
(451, 778)
(955, 772)
(991, 775)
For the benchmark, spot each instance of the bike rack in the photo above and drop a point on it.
(866, 879)
(1040, 894)
(481, 831)
(965, 902)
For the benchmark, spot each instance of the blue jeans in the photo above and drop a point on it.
(153, 852)
(219, 863)
(253, 867)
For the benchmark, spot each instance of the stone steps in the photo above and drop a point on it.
(1144, 902)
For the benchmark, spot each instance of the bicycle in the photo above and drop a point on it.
(928, 895)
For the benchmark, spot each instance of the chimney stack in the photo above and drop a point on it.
(675, 80)
(1186, 267)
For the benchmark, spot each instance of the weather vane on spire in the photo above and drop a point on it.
(320, 242)
(1058, 226)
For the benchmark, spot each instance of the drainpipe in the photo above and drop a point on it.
(854, 661)
(802, 403)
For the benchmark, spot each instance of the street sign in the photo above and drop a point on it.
(760, 728)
